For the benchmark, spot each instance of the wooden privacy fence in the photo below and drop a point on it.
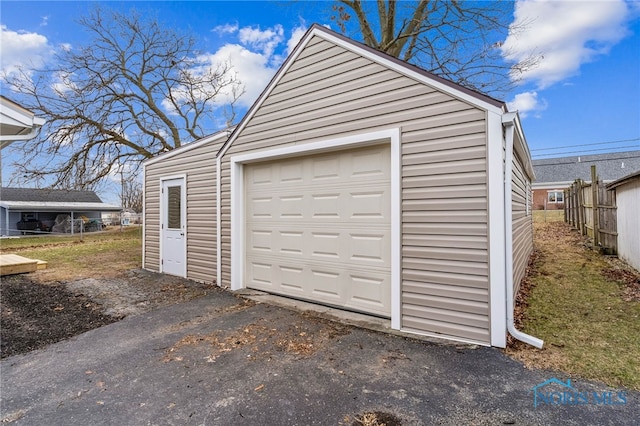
(591, 208)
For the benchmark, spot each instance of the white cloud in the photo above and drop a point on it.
(566, 33)
(22, 49)
(252, 69)
(296, 36)
(527, 103)
(62, 83)
(254, 59)
(265, 41)
(225, 29)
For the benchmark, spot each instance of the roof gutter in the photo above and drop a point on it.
(508, 120)
(34, 130)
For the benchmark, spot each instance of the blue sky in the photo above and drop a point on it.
(584, 94)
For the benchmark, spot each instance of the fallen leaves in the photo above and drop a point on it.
(302, 338)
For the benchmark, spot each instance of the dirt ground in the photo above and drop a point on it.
(36, 313)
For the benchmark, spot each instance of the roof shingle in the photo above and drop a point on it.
(48, 195)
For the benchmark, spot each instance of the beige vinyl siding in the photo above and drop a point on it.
(331, 92)
(522, 225)
(445, 258)
(199, 166)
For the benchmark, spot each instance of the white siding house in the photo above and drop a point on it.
(628, 217)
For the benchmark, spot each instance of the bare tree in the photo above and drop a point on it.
(134, 90)
(132, 195)
(458, 40)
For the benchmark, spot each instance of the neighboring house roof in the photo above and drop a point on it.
(35, 199)
(610, 166)
(16, 123)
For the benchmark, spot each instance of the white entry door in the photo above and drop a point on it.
(173, 227)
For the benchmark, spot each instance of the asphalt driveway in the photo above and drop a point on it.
(222, 360)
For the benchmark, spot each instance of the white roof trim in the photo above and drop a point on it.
(18, 115)
(400, 68)
(184, 148)
(551, 185)
(57, 205)
(522, 148)
(353, 47)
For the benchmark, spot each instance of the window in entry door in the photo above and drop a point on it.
(173, 207)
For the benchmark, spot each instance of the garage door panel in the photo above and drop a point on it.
(290, 207)
(318, 228)
(325, 206)
(325, 169)
(291, 172)
(261, 240)
(291, 279)
(369, 291)
(291, 242)
(369, 248)
(262, 176)
(369, 165)
(369, 205)
(326, 284)
(260, 207)
(261, 273)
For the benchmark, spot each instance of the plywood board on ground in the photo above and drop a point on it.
(13, 264)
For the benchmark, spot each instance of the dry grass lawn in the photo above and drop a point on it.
(573, 302)
(105, 254)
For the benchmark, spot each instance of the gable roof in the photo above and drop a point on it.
(609, 167)
(36, 199)
(475, 98)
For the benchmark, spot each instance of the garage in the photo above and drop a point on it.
(318, 227)
(365, 183)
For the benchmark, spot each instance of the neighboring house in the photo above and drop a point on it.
(17, 123)
(28, 209)
(358, 181)
(127, 216)
(627, 198)
(554, 175)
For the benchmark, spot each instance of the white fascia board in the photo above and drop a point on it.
(496, 218)
(551, 185)
(522, 148)
(364, 53)
(57, 205)
(407, 72)
(187, 147)
(263, 96)
(13, 116)
(392, 136)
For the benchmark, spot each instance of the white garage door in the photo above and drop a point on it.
(318, 228)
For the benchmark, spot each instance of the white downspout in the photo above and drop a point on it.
(508, 122)
(218, 226)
